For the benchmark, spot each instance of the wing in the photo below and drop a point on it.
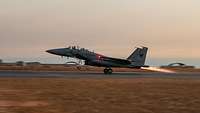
(116, 60)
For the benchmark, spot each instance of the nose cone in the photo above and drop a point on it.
(50, 51)
(60, 52)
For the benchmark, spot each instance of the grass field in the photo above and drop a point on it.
(65, 68)
(106, 95)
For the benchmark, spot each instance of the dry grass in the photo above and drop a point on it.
(64, 68)
(60, 67)
(64, 95)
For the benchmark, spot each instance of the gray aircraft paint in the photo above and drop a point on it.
(138, 57)
(135, 60)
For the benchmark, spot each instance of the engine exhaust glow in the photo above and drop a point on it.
(158, 69)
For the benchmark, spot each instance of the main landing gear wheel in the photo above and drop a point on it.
(108, 71)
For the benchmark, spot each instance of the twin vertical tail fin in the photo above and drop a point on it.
(138, 57)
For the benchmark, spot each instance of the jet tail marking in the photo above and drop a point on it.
(138, 57)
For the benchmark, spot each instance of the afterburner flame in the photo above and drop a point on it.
(158, 69)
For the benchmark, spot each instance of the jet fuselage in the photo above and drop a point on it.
(135, 60)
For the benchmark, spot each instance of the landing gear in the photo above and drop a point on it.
(108, 71)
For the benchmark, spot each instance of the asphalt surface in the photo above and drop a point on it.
(98, 75)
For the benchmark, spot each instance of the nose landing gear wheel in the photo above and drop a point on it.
(108, 71)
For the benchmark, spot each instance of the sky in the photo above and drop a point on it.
(170, 28)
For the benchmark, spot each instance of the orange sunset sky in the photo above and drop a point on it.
(170, 28)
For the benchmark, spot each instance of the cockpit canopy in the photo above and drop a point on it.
(78, 48)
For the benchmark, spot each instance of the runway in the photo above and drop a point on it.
(98, 74)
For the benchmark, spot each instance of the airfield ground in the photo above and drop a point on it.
(109, 95)
(59, 92)
(65, 68)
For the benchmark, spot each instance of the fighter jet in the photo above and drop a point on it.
(135, 60)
